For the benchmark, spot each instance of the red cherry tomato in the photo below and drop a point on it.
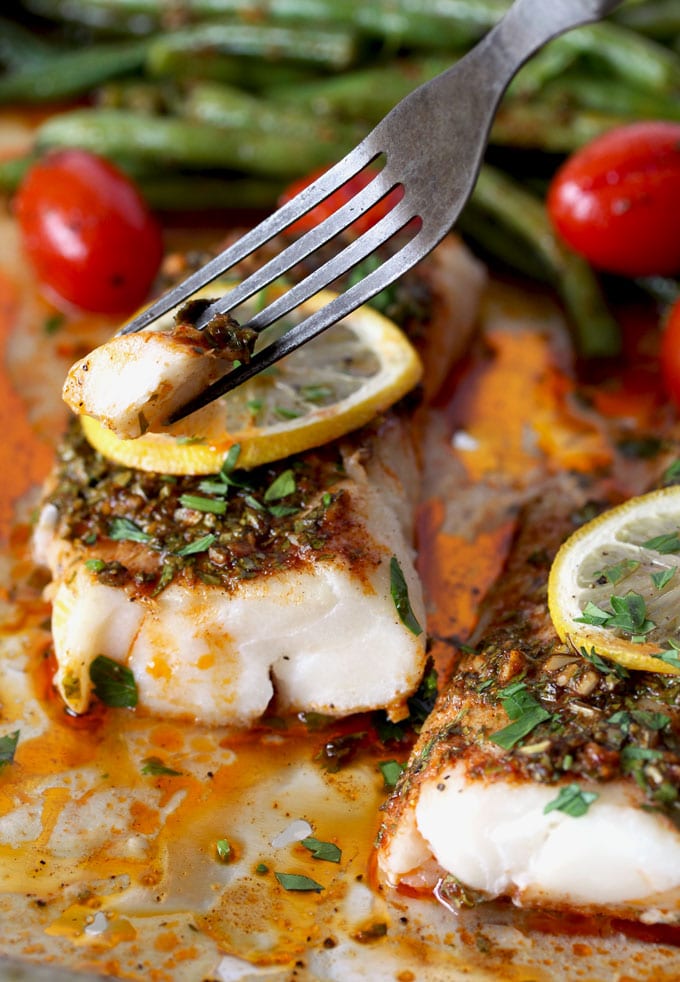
(670, 354)
(337, 199)
(88, 232)
(617, 200)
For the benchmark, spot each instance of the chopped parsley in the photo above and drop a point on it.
(297, 882)
(8, 746)
(281, 486)
(223, 849)
(154, 767)
(650, 720)
(391, 771)
(602, 665)
(399, 591)
(665, 544)
(524, 710)
(671, 655)
(198, 503)
(617, 571)
(327, 851)
(572, 800)
(662, 579)
(114, 684)
(628, 614)
(198, 545)
(125, 530)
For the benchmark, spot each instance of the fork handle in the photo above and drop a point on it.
(529, 24)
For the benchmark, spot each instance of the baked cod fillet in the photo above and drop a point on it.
(294, 583)
(544, 775)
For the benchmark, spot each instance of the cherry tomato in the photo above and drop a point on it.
(337, 199)
(670, 354)
(88, 233)
(617, 200)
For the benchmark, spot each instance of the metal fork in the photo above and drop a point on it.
(431, 147)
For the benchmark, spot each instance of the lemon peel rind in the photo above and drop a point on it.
(636, 656)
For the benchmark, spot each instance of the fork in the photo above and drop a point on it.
(430, 146)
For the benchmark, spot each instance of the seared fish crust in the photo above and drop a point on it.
(523, 720)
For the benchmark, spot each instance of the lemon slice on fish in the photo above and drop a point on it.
(614, 585)
(334, 384)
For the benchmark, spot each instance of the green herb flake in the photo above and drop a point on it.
(231, 459)
(189, 441)
(327, 851)
(632, 755)
(316, 393)
(223, 849)
(281, 487)
(326, 499)
(198, 503)
(213, 487)
(8, 746)
(198, 545)
(261, 869)
(572, 800)
(664, 544)
(53, 323)
(618, 571)
(593, 615)
(524, 710)
(125, 530)
(643, 717)
(154, 767)
(630, 614)
(672, 473)
(671, 655)
(114, 684)
(602, 665)
(297, 882)
(95, 565)
(662, 579)
(391, 771)
(284, 413)
(399, 592)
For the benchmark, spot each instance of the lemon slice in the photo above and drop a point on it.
(327, 388)
(614, 585)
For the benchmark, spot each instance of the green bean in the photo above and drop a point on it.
(365, 94)
(610, 96)
(596, 332)
(12, 171)
(643, 63)
(499, 244)
(543, 126)
(21, 48)
(328, 49)
(657, 18)
(182, 192)
(235, 110)
(248, 73)
(70, 73)
(167, 142)
(429, 23)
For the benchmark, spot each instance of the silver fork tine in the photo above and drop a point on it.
(273, 225)
(336, 267)
(337, 308)
(299, 249)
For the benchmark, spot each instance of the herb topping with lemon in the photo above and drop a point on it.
(217, 530)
